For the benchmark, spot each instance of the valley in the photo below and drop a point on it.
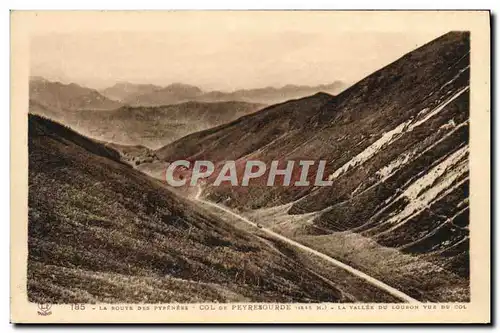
(100, 231)
(151, 127)
(391, 226)
(396, 144)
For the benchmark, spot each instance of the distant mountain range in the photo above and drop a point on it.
(123, 91)
(99, 117)
(57, 96)
(151, 95)
(150, 115)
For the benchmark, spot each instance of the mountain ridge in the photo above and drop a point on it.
(62, 97)
(179, 93)
(148, 126)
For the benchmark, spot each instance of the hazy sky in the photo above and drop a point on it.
(225, 58)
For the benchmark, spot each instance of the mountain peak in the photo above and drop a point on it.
(59, 96)
(322, 94)
(182, 87)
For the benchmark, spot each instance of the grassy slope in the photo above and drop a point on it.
(338, 129)
(100, 231)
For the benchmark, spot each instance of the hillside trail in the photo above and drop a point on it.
(369, 279)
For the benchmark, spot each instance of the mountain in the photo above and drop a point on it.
(60, 97)
(123, 91)
(396, 147)
(150, 95)
(152, 127)
(245, 136)
(271, 95)
(102, 232)
(172, 94)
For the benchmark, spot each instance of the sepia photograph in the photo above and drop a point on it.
(253, 164)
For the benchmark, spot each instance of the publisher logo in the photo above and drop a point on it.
(44, 309)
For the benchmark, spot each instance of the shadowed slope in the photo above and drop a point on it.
(100, 231)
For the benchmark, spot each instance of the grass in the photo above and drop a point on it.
(100, 231)
(415, 276)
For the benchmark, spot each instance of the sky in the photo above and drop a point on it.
(218, 57)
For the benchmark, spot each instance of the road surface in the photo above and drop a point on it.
(377, 283)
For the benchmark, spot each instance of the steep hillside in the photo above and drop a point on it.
(60, 97)
(99, 231)
(246, 135)
(396, 146)
(153, 127)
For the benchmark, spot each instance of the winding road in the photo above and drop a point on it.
(371, 280)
